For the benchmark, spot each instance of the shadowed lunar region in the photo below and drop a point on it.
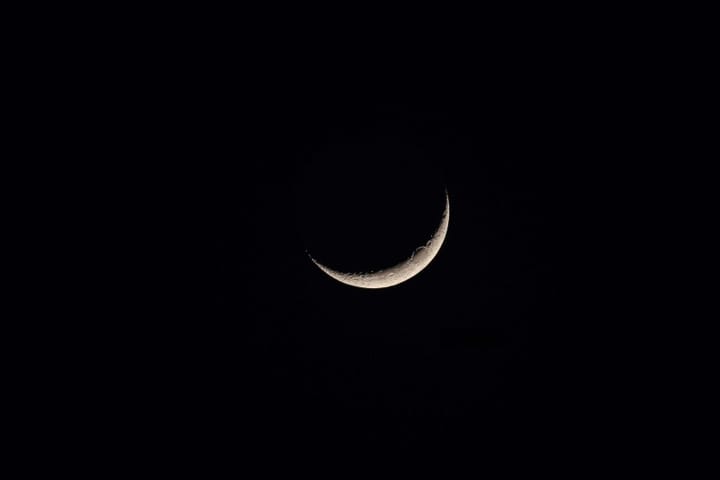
(403, 271)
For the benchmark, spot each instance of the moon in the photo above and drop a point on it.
(403, 271)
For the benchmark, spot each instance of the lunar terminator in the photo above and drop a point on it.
(403, 271)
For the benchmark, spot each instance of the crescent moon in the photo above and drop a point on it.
(403, 271)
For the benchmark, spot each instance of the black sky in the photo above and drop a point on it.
(232, 156)
(356, 176)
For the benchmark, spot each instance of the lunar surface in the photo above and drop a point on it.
(403, 271)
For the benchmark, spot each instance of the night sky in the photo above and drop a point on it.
(504, 333)
(237, 158)
(482, 338)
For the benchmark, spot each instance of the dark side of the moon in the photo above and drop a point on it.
(367, 205)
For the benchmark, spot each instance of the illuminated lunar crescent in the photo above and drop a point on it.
(401, 272)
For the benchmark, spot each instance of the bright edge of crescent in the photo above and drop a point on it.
(403, 271)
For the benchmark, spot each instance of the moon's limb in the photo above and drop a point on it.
(403, 271)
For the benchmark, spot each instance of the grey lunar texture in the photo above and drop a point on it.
(403, 271)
